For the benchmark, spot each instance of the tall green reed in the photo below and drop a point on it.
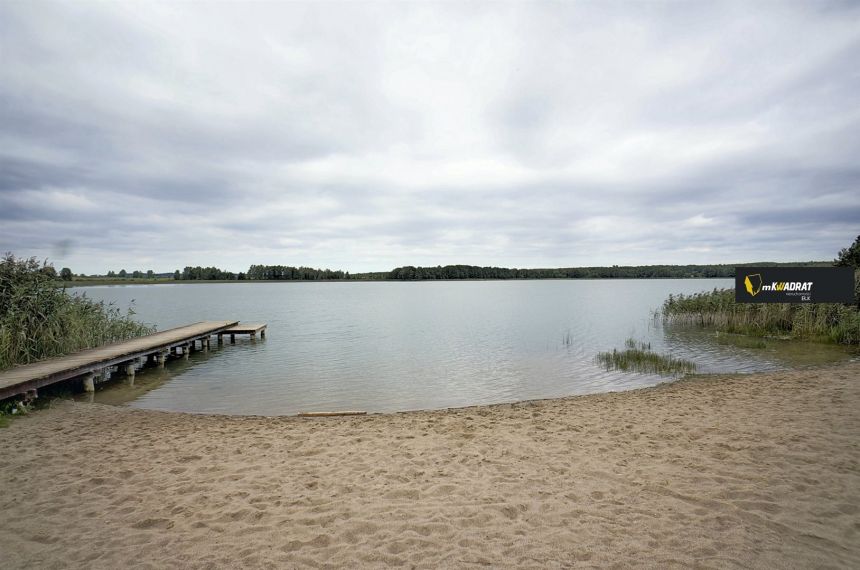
(717, 309)
(638, 357)
(39, 320)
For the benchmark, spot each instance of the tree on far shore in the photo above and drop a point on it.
(849, 256)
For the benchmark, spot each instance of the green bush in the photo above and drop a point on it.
(39, 320)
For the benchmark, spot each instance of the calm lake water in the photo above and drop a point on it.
(391, 346)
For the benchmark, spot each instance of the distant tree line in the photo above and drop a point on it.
(410, 273)
(440, 272)
(207, 274)
(136, 274)
(289, 273)
(261, 273)
(66, 274)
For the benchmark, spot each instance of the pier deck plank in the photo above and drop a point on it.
(245, 328)
(19, 379)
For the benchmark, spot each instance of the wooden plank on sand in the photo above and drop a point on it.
(328, 414)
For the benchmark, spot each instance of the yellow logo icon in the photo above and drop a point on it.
(753, 284)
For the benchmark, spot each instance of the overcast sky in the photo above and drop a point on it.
(368, 136)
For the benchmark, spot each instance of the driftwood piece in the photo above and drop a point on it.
(328, 414)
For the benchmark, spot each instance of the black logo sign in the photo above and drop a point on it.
(794, 284)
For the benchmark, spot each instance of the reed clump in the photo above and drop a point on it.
(38, 320)
(717, 309)
(638, 357)
(633, 344)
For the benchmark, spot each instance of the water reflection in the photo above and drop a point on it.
(714, 352)
(121, 389)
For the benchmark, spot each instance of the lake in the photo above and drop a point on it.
(393, 346)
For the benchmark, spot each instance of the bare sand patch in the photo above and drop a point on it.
(759, 471)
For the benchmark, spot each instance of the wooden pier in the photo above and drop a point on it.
(97, 364)
(252, 329)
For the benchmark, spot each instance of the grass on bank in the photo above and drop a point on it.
(11, 409)
(638, 357)
(38, 320)
(717, 309)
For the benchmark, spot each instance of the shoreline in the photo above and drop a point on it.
(689, 377)
(752, 470)
(120, 282)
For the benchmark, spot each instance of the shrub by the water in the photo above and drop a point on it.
(39, 320)
(830, 322)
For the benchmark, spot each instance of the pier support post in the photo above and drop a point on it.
(129, 374)
(263, 333)
(162, 358)
(205, 343)
(186, 351)
(220, 339)
(90, 382)
(232, 339)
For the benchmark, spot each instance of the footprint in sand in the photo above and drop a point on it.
(151, 523)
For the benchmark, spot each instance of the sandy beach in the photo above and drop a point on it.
(759, 471)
